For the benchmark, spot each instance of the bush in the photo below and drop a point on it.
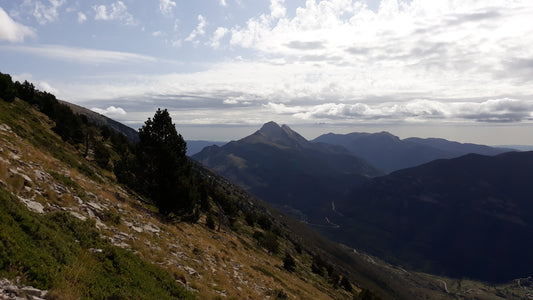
(318, 265)
(289, 263)
(264, 222)
(365, 294)
(267, 240)
(250, 218)
(346, 285)
(210, 222)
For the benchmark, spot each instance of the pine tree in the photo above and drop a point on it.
(164, 171)
(7, 88)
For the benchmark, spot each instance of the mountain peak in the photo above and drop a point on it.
(272, 133)
(270, 128)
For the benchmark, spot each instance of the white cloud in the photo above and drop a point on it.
(44, 13)
(81, 55)
(219, 33)
(277, 10)
(111, 111)
(222, 2)
(115, 11)
(166, 7)
(449, 49)
(240, 100)
(493, 110)
(157, 33)
(45, 86)
(12, 31)
(81, 17)
(199, 30)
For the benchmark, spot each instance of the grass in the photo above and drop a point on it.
(56, 252)
(35, 128)
(68, 182)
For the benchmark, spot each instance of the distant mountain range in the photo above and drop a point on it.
(390, 153)
(195, 146)
(470, 216)
(283, 168)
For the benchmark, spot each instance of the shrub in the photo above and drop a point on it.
(250, 218)
(288, 263)
(210, 222)
(264, 222)
(346, 285)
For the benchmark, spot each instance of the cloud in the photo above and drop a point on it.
(81, 55)
(277, 10)
(222, 2)
(239, 100)
(219, 33)
(166, 7)
(300, 45)
(45, 86)
(45, 13)
(81, 17)
(111, 111)
(493, 110)
(115, 11)
(496, 110)
(282, 109)
(199, 30)
(12, 31)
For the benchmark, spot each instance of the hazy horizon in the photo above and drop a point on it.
(463, 134)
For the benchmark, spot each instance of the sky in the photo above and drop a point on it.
(456, 69)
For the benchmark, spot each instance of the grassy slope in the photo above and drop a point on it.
(52, 251)
(141, 256)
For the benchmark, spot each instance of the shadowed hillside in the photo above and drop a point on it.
(283, 168)
(470, 217)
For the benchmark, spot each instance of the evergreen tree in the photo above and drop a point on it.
(7, 88)
(164, 171)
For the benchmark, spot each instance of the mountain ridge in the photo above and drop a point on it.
(467, 216)
(101, 120)
(280, 166)
(390, 153)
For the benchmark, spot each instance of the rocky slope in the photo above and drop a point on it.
(48, 176)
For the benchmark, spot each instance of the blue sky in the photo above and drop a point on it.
(461, 70)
